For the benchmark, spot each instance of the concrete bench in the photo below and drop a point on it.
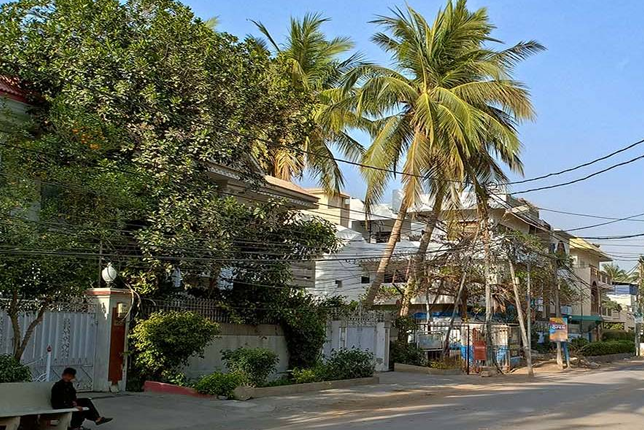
(31, 399)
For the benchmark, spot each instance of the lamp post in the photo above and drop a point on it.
(109, 274)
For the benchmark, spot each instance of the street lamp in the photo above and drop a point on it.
(109, 274)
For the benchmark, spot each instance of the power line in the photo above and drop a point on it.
(586, 215)
(562, 184)
(570, 169)
(605, 223)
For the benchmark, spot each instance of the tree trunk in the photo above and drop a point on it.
(20, 342)
(464, 299)
(416, 279)
(457, 299)
(524, 333)
(386, 257)
(15, 325)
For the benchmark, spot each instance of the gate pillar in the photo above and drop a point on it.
(111, 337)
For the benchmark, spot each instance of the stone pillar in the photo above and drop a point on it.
(336, 335)
(382, 347)
(113, 318)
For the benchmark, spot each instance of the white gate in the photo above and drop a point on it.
(69, 329)
(364, 330)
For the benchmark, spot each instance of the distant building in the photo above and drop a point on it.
(625, 294)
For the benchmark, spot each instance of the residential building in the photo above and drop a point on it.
(626, 296)
(13, 104)
(351, 270)
(363, 237)
(335, 208)
(591, 284)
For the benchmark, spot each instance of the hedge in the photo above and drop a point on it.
(609, 335)
(609, 347)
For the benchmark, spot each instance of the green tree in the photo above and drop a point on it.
(617, 274)
(450, 100)
(132, 103)
(315, 64)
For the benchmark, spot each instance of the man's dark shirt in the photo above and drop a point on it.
(63, 395)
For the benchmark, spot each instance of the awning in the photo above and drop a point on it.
(595, 318)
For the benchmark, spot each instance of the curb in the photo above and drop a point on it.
(258, 392)
(285, 390)
(163, 388)
(409, 368)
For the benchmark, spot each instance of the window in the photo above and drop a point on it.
(365, 280)
(338, 283)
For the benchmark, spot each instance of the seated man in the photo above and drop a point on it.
(63, 396)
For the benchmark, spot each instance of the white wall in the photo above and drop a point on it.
(234, 336)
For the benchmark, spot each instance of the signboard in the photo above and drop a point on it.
(480, 350)
(429, 341)
(558, 330)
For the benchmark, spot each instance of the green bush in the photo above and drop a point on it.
(164, 342)
(11, 370)
(348, 364)
(405, 326)
(446, 363)
(254, 365)
(313, 374)
(578, 344)
(609, 335)
(610, 347)
(219, 384)
(406, 353)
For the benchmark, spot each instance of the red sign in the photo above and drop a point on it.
(479, 350)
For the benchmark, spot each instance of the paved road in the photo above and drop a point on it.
(606, 399)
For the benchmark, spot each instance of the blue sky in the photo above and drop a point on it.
(587, 90)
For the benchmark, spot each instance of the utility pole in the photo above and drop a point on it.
(557, 309)
(638, 309)
(529, 309)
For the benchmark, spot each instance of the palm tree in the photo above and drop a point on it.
(617, 274)
(315, 65)
(212, 23)
(449, 107)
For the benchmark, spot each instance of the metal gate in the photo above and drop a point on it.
(65, 338)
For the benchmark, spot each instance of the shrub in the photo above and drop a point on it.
(348, 364)
(254, 365)
(219, 384)
(11, 370)
(405, 326)
(609, 335)
(578, 344)
(313, 374)
(446, 363)
(610, 347)
(406, 353)
(166, 340)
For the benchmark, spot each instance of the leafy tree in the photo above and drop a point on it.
(315, 65)
(450, 100)
(132, 103)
